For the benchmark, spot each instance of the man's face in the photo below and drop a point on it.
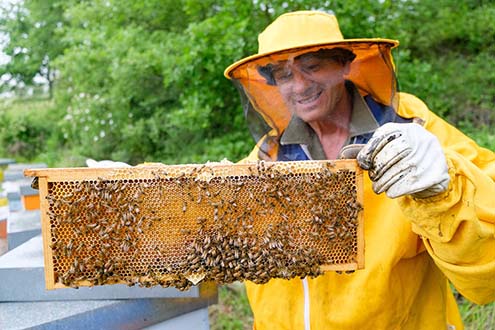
(311, 86)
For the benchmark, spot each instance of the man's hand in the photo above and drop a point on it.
(405, 159)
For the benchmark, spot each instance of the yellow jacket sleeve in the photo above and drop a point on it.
(458, 226)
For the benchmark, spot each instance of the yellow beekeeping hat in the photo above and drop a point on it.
(302, 30)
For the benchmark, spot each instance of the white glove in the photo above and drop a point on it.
(405, 159)
(105, 163)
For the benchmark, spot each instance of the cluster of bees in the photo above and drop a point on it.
(198, 224)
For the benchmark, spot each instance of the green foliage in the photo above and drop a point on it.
(143, 80)
(232, 311)
(26, 128)
(445, 26)
(449, 56)
(32, 27)
(484, 135)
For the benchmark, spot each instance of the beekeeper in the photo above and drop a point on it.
(429, 200)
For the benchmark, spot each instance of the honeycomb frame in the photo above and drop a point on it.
(178, 225)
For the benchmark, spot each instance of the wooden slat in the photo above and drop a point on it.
(46, 234)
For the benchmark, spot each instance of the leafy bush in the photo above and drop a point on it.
(447, 57)
(26, 128)
(143, 80)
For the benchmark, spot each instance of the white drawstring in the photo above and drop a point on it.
(307, 324)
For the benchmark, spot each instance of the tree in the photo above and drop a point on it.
(31, 27)
(143, 80)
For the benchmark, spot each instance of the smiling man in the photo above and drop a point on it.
(429, 208)
(313, 86)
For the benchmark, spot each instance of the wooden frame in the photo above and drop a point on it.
(201, 173)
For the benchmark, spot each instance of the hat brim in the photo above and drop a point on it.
(343, 44)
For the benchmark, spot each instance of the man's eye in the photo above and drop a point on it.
(313, 67)
(282, 76)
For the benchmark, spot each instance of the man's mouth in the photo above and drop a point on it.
(310, 99)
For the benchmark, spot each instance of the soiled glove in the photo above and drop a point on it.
(105, 163)
(405, 159)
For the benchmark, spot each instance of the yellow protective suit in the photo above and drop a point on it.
(413, 249)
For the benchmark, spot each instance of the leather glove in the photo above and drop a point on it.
(105, 163)
(405, 159)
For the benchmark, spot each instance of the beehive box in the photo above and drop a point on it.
(30, 198)
(181, 224)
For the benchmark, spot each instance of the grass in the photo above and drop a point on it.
(477, 317)
(233, 312)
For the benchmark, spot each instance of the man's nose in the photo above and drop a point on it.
(300, 81)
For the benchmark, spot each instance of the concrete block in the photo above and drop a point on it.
(13, 175)
(198, 320)
(4, 162)
(102, 314)
(13, 186)
(27, 190)
(15, 171)
(13, 196)
(23, 166)
(24, 220)
(22, 226)
(14, 202)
